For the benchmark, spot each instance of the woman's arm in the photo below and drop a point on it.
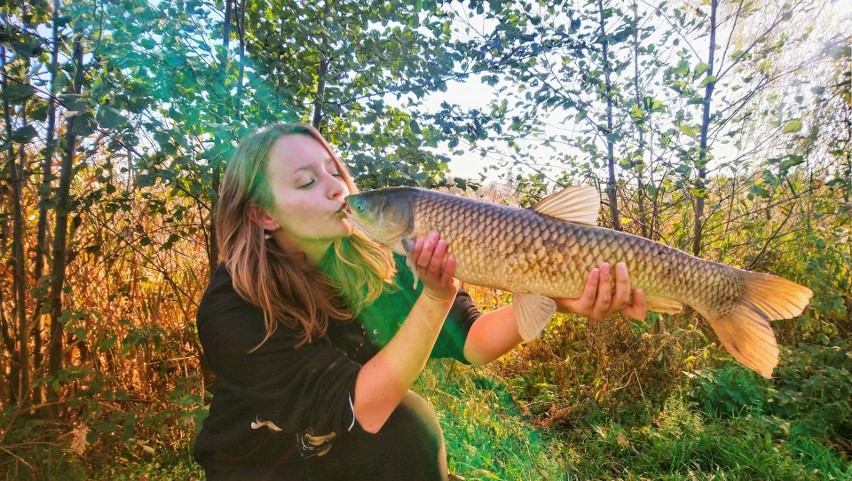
(495, 333)
(386, 378)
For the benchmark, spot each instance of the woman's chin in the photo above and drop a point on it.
(349, 227)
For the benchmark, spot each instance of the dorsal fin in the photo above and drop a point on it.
(580, 204)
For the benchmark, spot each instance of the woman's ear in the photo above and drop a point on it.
(260, 217)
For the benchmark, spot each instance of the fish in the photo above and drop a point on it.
(546, 252)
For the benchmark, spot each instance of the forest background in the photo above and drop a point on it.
(718, 127)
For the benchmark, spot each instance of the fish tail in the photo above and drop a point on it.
(745, 331)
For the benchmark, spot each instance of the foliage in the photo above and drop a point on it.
(488, 438)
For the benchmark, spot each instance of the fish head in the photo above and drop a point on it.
(384, 214)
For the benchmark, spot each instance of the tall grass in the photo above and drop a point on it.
(489, 436)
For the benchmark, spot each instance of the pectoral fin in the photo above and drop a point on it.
(405, 246)
(666, 306)
(532, 313)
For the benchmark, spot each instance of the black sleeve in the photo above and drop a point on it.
(453, 335)
(306, 388)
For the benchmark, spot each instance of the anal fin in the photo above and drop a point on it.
(661, 304)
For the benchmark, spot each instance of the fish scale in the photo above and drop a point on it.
(552, 258)
(538, 254)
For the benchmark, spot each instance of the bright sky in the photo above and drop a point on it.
(474, 94)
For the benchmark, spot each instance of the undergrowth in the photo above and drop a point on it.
(718, 421)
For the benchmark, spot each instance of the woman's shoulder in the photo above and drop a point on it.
(224, 318)
(221, 299)
(221, 288)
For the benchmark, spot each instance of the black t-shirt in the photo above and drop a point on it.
(265, 401)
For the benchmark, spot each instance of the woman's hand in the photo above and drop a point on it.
(598, 299)
(434, 267)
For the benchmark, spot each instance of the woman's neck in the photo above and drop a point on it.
(314, 250)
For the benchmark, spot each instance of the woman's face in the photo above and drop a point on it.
(308, 195)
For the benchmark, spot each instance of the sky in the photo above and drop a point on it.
(472, 93)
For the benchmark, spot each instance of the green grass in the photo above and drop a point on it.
(489, 438)
(724, 424)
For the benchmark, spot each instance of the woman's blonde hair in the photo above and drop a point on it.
(286, 286)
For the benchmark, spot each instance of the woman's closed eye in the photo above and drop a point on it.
(309, 183)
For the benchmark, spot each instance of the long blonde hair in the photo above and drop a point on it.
(286, 286)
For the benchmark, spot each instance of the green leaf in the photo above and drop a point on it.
(636, 113)
(791, 162)
(30, 48)
(695, 100)
(83, 124)
(39, 113)
(690, 130)
(792, 126)
(707, 80)
(24, 135)
(17, 93)
(701, 68)
(110, 118)
(684, 170)
(74, 102)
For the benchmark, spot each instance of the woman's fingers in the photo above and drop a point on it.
(436, 263)
(584, 304)
(604, 299)
(449, 273)
(638, 307)
(599, 299)
(434, 266)
(623, 291)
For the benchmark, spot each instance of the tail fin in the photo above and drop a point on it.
(746, 332)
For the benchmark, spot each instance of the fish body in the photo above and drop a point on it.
(547, 251)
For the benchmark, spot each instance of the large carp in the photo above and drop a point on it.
(547, 251)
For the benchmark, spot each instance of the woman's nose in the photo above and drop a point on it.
(337, 188)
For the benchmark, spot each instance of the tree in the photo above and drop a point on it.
(340, 65)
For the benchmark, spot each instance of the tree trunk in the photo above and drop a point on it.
(701, 163)
(19, 281)
(323, 71)
(41, 250)
(637, 167)
(63, 208)
(213, 241)
(241, 27)
(610, 142)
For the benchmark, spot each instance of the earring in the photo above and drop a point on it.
(267, 235)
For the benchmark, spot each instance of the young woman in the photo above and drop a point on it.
(315, 333)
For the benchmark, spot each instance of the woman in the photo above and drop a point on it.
(315, 334)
